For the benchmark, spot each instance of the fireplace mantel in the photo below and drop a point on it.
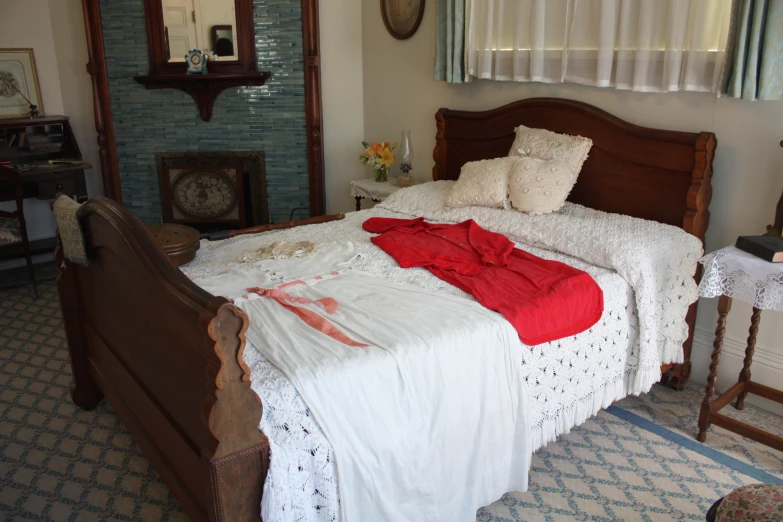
(204, 88)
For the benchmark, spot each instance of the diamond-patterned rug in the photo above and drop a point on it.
(60, 463)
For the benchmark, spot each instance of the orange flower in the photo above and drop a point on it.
(377, 147)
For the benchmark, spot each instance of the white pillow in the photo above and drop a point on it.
(537, 186)
(482, 184)
(548, 145)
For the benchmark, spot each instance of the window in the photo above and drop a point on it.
(642, 45)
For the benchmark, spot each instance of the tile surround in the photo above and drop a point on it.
(270, 118)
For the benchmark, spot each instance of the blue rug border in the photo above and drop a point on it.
(693, 445)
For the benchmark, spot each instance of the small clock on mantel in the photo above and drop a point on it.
(197, 61)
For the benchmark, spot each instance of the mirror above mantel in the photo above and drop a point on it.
(221, 29)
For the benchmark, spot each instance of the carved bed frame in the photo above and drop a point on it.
(168, 355)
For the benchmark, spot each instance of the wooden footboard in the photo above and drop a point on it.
(168, 357)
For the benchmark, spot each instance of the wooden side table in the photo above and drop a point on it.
(730, 274)
(374, 190)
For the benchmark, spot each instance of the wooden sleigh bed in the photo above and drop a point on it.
(168, 355)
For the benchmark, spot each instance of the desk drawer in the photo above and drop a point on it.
(48, 188)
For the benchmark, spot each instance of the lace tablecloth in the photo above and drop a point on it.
(369, 188)
(740, 275)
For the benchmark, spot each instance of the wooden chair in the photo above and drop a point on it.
(13, 228)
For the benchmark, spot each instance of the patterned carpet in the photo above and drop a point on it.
(60, 463)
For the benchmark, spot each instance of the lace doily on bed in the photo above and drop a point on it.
(568, 380)
(279, 250)
(740, 275)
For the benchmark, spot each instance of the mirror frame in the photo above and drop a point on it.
(243, 42)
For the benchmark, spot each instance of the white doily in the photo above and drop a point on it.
(279, 250)
(375, 190)
(740, 275)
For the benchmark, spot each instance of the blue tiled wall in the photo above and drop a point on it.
(270, 118)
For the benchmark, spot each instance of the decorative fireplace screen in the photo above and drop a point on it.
(213, 190)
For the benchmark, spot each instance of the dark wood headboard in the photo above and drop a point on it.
(654, 174)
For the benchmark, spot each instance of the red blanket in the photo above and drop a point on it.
(544, 300)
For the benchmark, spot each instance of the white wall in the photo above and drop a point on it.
(400, 93)
(26, 23)
(75, 83)
(342, 97)
(54, 29)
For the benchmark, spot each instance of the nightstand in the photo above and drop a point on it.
(730, 274)
(374, 190)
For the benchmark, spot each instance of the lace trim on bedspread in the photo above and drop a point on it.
(568, 381)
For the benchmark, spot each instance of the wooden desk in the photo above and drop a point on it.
(45, 182)
(37, 142)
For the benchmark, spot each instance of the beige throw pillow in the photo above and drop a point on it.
(482, 184)
(539, 186)
(548, 145)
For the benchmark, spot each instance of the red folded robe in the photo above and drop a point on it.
(544, 300)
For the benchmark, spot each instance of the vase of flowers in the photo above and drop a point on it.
(379, 156)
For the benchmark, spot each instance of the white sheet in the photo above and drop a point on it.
(434, 406)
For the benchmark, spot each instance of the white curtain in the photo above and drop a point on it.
(641, 45)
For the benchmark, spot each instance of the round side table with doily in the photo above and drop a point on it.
(731, 273)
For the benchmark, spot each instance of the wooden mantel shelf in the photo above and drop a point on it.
(204, 88)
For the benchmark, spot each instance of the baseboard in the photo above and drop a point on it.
(39, 232)
(767, 366)
(736, 347)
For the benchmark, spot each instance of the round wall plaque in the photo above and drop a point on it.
(402, 17)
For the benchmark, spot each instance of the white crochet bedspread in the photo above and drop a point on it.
(657, 260)
(569, 380)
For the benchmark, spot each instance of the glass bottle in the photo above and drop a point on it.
(406, 160)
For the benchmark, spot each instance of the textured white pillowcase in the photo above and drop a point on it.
(482, 184)
(548, 145)
(537, 186)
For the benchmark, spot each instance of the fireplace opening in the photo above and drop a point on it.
(213, 191)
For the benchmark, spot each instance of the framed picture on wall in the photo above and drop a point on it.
(18, 84)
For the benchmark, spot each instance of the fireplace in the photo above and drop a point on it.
(213, 190)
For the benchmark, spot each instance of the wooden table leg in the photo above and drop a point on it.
(358, 203)
(744, 375)
(724, 305)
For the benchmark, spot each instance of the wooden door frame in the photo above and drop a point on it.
(104, 125)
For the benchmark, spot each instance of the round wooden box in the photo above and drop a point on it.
(178, 241)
